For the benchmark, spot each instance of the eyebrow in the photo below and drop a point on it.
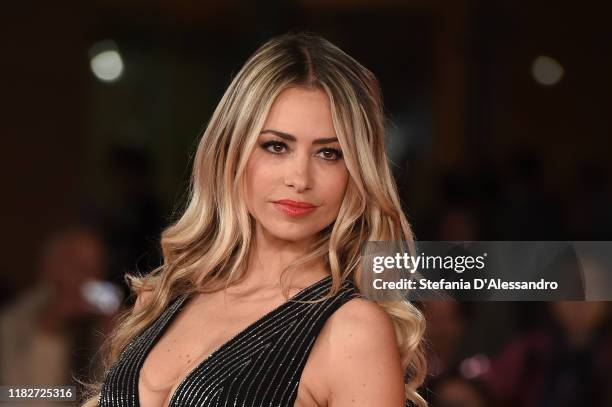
(291, 137)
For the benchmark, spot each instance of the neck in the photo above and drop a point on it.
(269, 256)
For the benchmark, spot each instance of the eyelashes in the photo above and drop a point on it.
(274, 144)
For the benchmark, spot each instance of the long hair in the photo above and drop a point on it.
(207, 247)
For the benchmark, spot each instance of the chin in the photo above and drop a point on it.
(290, 231)
(292, 237)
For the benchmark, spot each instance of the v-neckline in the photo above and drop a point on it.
(181, 301)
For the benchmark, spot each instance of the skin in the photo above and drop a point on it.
(355, 359)
(299, 170)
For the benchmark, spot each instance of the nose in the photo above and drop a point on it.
(298, 173)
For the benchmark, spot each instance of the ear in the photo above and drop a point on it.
(142, 301)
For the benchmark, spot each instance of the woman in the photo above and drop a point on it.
(257, 302)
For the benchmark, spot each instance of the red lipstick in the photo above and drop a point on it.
(294, 208)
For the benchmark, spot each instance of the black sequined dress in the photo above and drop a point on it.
(260, 366)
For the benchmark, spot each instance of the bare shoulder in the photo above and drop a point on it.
(360, 313)
(364, 366)
(361, 324)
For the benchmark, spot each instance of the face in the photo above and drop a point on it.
(296, 176)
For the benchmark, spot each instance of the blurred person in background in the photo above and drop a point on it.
(454, 390)
(49, 334)
(446, 326)
(564, 364)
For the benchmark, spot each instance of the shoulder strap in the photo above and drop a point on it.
(274, 375)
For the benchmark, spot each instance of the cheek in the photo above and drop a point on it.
(258, 181)
(335, 185)
(250, 186)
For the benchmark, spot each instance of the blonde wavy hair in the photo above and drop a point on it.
(206, 248)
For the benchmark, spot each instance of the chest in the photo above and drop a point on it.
(277, 360)
(251, 355)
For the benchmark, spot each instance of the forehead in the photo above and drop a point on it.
(303, 112)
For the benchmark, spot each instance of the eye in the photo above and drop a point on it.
(279, 147)
(331, 154)
(276, 145)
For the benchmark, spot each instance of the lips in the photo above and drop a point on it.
(295, 204)
(294, 208)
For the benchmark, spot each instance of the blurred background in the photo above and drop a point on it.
(499, 129)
